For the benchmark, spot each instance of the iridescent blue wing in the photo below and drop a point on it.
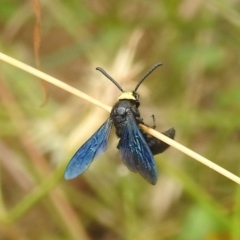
(91, 149)
(135, 152)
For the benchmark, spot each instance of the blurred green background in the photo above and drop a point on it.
(197, 91)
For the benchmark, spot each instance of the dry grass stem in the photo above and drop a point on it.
(53, 81)
(86, 97)
(191, 153)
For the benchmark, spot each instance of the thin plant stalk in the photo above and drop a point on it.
(52, 80)
(151, 131)
(191, 153)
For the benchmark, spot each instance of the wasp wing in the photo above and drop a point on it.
(135, 152)
(92, 148)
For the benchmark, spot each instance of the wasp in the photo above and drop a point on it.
(136, 147)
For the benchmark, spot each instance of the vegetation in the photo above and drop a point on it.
(197, 91)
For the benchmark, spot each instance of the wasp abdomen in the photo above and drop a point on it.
(157, 146)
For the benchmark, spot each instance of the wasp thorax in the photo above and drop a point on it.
(127, 96)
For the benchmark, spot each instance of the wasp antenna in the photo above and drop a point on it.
(110, 78)
(148, 73)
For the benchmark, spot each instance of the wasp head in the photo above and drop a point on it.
(131, 96)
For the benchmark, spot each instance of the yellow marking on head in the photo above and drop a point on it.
(127, 96)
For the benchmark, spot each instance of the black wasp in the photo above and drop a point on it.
(136, 147)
